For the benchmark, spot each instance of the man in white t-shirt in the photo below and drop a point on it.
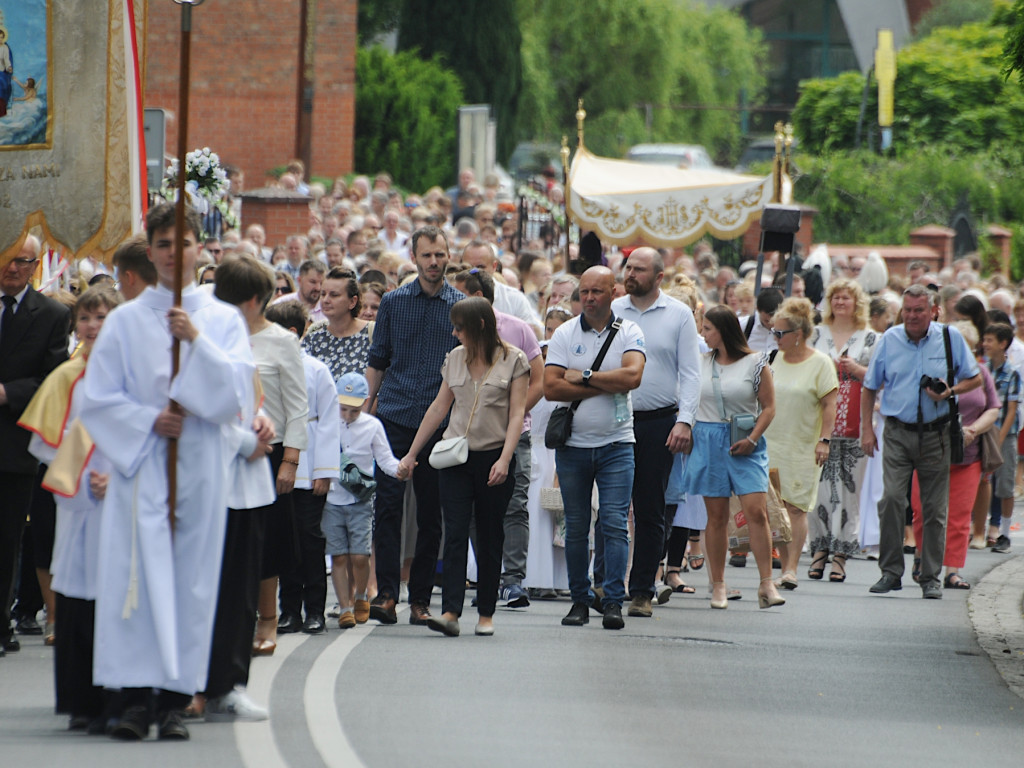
(600, 448)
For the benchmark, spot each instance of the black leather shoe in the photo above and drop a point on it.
(172, 726)
(28, 626)
(11, 644)
(888, 583)
(596, 603)
(314, 625)
(288, 623)
(382, 609)
(613, 617)
(577, 616)
(133, 725)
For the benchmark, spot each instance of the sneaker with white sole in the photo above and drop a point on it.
(233, 706)
(334, 611)
(662, 593)
(513, 596)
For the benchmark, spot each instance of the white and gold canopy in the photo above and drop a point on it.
(627, 203)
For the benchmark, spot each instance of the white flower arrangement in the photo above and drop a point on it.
(206, 182)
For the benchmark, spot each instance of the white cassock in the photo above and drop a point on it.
(322, 456)
(156, 595)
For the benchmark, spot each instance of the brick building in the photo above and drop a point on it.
(245, 84)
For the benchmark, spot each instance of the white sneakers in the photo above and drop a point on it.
(234, 706)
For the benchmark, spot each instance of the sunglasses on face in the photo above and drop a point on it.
(780, 334)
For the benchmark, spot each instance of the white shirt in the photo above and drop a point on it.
(279, 361)
(576, 345)
(513, 302)
(323, 425)
(364, 442)
(761, 339)
(672, 371)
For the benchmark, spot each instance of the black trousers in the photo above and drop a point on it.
(653, 464)
(237, 600)
(388, 512)
(465, 495)
(72, 666)
(279, 546)
(15, 496)
(304, 581)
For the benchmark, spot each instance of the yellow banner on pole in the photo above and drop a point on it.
(885, 74)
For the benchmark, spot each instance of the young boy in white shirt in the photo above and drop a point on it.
(348, 514)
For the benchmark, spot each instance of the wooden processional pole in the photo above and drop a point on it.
(179, 233)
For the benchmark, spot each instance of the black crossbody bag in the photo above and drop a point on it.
(560, 425)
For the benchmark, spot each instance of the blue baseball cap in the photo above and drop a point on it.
(353, 389)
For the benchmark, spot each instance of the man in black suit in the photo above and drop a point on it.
(33, 341)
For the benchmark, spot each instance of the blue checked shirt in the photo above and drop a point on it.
(1007, 382)
(412, 338)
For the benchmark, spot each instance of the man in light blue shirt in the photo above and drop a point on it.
(916, 433)
(664, 406)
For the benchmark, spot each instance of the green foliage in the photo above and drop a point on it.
(405, 116)
(950, 89)
(481, 42)
(619, 57)
(863, 197)
(953, 13)
(375, 18)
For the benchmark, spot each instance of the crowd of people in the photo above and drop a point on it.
(580, 428)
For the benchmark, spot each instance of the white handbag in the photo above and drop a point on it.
(453, 451)
(450, 452)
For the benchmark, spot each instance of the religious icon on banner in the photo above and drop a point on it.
(24, 74)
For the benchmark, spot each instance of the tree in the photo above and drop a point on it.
(950, 89)
(481, 43)
(953, 13)
(405, 116)
(632, 63)
(376, 18)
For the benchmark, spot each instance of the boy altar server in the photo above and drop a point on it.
(157, 584)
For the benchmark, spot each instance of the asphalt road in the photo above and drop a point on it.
(836, 677)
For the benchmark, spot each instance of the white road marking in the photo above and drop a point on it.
(255, 741)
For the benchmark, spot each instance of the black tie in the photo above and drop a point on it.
(5, 324)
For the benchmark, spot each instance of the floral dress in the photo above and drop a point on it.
(835, 522)
(346, 354)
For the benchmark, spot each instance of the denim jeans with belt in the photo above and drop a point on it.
(611, 467)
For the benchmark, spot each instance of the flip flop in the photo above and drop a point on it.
(696, 562)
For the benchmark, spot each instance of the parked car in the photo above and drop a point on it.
(759, 151)
(678, 155)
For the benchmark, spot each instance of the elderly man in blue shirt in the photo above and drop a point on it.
(917, 422)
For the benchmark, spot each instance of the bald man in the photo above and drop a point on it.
(600, 448)
(665, 406)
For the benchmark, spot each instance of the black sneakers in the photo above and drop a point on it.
(578, 615)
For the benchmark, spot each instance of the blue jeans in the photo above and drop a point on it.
(611, 467)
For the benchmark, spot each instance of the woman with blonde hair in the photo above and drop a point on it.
(845, 336)
(799, 438)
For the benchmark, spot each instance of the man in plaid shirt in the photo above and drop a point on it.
(412, 337)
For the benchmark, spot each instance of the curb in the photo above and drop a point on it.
(996, 609)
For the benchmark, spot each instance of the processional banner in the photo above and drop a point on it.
(71, 156)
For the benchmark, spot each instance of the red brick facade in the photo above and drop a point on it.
(244, 84)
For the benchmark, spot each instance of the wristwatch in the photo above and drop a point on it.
(824, 440)
(586, 377)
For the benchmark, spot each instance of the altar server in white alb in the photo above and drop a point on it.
(157, 584)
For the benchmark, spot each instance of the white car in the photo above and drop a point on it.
(678, 155)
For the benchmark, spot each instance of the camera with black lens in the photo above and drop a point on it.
(938, 386)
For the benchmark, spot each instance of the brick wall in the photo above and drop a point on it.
(243, 100)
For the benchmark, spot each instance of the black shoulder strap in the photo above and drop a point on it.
(954, 408)
(771, 356)
(749, 328)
